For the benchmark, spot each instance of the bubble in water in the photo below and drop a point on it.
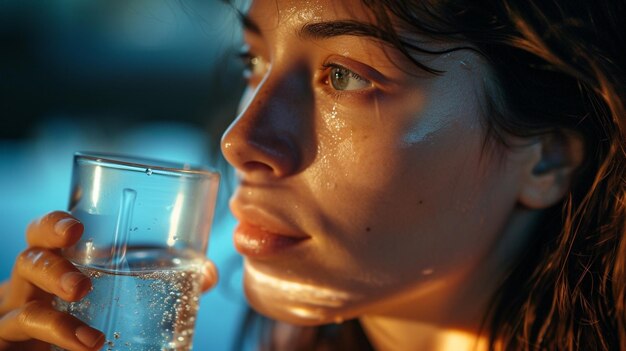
(157, 305)
(149, 171)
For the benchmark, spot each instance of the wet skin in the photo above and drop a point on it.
(364, 186)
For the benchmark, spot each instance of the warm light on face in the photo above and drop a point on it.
(458, 340)
(388, 179)
(304, 300)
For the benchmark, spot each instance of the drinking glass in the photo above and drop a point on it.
(147, 226)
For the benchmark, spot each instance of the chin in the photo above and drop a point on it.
(300, 316)
(295, 302)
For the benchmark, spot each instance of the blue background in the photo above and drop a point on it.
(154, 78)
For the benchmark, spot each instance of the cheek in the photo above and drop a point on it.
(336, 154)
(406, 198)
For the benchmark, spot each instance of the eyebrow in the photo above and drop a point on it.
(248, 23)
(324, 30)
(331, 29)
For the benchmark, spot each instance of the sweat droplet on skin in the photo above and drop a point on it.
(428, 271)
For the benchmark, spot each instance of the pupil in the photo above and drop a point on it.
(339, 79)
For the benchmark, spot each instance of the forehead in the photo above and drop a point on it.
(298, 17)
(286, 24)
(273, 13)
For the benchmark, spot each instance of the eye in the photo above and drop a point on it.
(253, 65)
(341, 78)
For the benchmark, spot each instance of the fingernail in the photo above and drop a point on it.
(89, 336)
(62, 226)
(71, 280)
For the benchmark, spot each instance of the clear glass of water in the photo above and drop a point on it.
(147, 226)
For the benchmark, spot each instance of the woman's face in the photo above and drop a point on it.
(362, 177)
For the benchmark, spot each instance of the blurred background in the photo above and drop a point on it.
(153, 78)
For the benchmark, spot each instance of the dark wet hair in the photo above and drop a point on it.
(558, 66)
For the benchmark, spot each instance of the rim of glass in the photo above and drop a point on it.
(145, 164)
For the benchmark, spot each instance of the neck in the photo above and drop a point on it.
(388, 333)
(450, 315)
(448, 318)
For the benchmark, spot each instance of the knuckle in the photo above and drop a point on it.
(37, 260)
(29, 312)
(29, 256)
(38, 315)
(56, 318)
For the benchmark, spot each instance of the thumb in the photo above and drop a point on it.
(209, 275)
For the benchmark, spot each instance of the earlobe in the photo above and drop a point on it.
(549, 177)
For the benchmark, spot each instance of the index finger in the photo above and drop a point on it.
(54, 230)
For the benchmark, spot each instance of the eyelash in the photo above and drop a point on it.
(248, 58)
(335, 93)
(329, 66)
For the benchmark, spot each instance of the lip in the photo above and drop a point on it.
(261, 234)
(252, 241)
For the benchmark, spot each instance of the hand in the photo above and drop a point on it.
(27, 319)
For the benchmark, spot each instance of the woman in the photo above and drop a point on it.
(448, 176)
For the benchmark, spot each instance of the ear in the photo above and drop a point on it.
(548, 177)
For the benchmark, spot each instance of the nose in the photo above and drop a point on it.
(270, 136)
